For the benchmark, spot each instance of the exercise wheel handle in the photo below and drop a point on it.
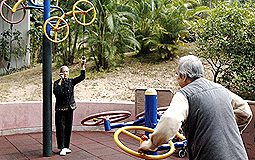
(60, 19)
(158, 109)
(16, 5)
(114, 116)
(9, 18)
(181, 136)
(134, 153)
(80, 11)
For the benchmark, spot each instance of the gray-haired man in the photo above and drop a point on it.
(211, 116)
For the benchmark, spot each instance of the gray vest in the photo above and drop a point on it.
(211, 129)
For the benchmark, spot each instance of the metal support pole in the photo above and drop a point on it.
(107, 125)
(150, 111)
(47, 88)
(150, 108)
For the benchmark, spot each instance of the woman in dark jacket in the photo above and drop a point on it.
(65, 105)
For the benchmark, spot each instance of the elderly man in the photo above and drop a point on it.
(211, 116)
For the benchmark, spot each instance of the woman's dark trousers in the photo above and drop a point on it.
(63, 121)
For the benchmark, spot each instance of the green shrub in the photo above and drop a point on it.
(226, 40)
(11, 44)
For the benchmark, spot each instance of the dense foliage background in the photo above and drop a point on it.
(222, 31)
(226, 40)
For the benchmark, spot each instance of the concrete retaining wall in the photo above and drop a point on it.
(26, 117)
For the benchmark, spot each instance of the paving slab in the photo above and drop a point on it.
(85, 145)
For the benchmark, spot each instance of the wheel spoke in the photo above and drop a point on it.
(84, 18)
(89, 9)
(7, 6)
(62, 27)
(18, 9)
(131, 135)
(98, 122)
(79, 8)
(56, 35)
(51, 25)
(12, 15)
(115, 116)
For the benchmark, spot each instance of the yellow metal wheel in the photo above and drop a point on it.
(137, 154)
(59, 29)
(81, 9)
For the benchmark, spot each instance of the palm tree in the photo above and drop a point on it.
(143, 22)
(111, 35)
(160, 24)
(165, 35)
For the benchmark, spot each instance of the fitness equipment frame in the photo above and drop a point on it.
(19, 8)
(61, 23)
(151, 110)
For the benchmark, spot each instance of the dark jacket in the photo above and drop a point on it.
(211, 128)
(64, 93)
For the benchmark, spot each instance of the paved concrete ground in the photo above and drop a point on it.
(85, 145)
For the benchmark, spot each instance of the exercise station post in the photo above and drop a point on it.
(150, 108)
(47, 88)
(150, 111)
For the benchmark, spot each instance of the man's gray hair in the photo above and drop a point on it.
(60, 70)
(192, 66)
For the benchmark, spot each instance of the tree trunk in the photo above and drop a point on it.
(2, 63)
(74, 46)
